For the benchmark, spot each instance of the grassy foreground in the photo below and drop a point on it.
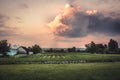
(83, 71)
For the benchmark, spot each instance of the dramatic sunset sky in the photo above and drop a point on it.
(59, 23)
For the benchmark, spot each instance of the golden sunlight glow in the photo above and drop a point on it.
(68, 10)
(91, 12)
(56, 23)
(67, 5)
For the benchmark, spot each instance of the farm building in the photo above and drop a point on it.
(22, 50)
(13, 50)
(18, 50)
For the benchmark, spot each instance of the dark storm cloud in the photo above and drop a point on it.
(114, 14)
(77, 25)
(82, 24)
(104, 25)
(5, 30)
(109, 1)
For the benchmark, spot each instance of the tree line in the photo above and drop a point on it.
(110, 48)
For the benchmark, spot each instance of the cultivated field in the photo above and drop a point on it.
(60, 58)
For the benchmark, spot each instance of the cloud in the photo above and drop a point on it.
(114, 14)
(3, 19)
(70, 23)
(74, 22)
(71, 1)
(19, 19)
(104, 25)
(110, 1)
(5, 30)
(23, 6)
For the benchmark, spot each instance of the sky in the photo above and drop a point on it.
(59, 23)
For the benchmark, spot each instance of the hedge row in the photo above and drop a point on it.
(56, 62)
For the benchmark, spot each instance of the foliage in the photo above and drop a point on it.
(113, 46)
(103, 48)
(73, 49)
(4, 47)
(91, 47)
(100, 48)
(36, 49)
(96, 48)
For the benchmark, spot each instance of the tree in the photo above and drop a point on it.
(51, 50)
(100, 48)
(4, 47)
(73, 49)
(112, 46)
(96, 48)
(36, 49)
(91, 47)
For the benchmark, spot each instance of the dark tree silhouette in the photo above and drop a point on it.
(4, 47)
(91, 47)
(36, 49)
(100, 48)
(113, 46)
(73, 49)
(96, 48)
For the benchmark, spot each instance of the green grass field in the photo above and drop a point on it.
(61, 66)
(83, 71)
(60, 58)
